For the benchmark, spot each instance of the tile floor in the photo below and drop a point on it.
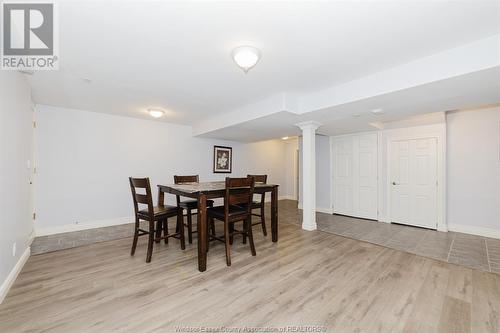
(467, 250)
(68, 240)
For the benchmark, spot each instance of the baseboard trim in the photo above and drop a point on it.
(384, 219)
(31, 238)
(280, 197)
(320, 209)
(45, 231)
(310, 227)
(324, 210)
(286, 197)
(478, 231)
(11, 278)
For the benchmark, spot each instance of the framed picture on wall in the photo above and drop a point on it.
(223, 159)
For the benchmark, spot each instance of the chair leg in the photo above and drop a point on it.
(250, 235)
(245, 234)
(226, 243)
(151, 240)
(263, 220)
(136, 237)
(190, 226)
(159, 227)
(165, 230)
(212, 226)
(212, 231)
(180, 224)
(231, 230)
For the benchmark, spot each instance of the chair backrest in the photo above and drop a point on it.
(239, 191)
(139, 198)
(259, 178)
(186, 179)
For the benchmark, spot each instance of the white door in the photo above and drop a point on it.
(414, 182)
(365, 176)
(355, 175)
(343, 176)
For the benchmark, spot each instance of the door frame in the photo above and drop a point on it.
(438, 132)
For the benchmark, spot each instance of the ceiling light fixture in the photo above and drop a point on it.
(156, 113)
(284, 138)
(377, 111)
(246, 57)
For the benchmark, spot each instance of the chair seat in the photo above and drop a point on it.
(255, 204)
(234, 211)
(159, 211)
(193, 204)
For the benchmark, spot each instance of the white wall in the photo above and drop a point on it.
(84, 160)
(474, 171)
(16, 143)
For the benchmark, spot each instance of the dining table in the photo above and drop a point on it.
(210, 190)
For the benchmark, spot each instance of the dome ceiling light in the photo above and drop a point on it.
(156, 113)
(246, 57)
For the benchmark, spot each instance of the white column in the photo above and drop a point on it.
(309, 174)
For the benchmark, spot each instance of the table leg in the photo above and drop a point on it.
(274, 214)
(202, 232)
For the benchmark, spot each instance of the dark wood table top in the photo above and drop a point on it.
(207, 187)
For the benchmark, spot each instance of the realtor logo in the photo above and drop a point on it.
(30, 36)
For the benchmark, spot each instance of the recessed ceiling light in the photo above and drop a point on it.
(156, 113)
(377, 111)
(284, 138)
(246, 57)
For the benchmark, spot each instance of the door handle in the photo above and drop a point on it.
(394, 183)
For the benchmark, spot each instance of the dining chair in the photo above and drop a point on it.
(189, 205)
(152, 214)
(237, 207)
(260, 204)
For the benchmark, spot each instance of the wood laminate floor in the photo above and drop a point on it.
(307, 278)
(457, 248)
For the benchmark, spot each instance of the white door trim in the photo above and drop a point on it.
(422, 132)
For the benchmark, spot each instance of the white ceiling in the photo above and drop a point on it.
(176, 55)
(462, 92)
